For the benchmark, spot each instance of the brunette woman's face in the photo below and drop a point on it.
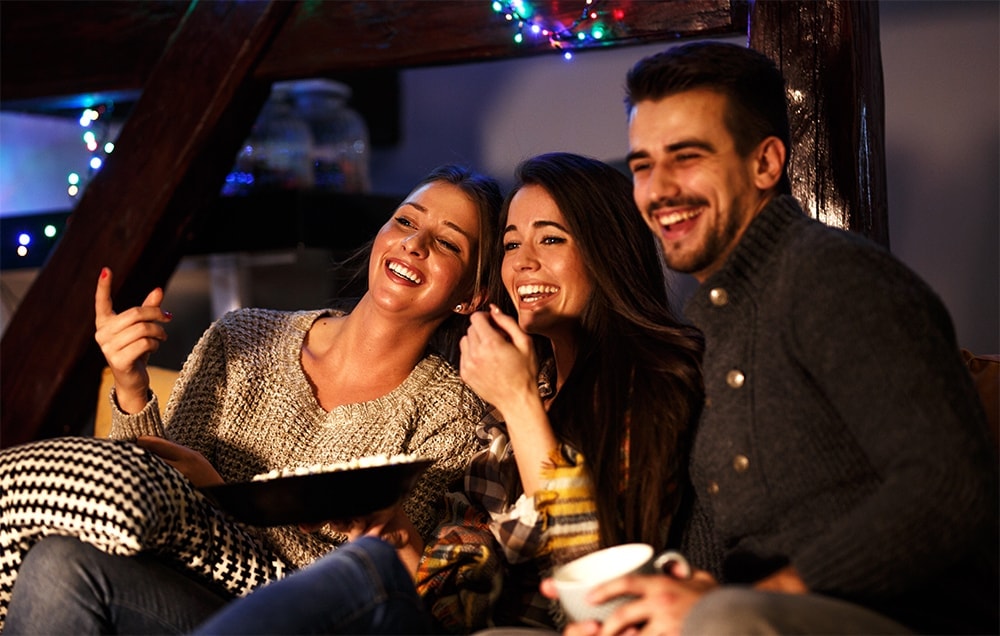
(543, 269)
(424, 258)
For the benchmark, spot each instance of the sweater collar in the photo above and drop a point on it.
(759, 243)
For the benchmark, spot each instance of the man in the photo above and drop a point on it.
(842, 478)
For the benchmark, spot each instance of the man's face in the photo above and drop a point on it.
(694, 190)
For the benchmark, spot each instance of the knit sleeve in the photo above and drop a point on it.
(129, 426)
(910, 407)
(447, 414)
(195, 406)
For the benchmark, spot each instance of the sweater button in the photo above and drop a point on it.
(713, 487)
(735, 378)
(718, 296)
(741, 463)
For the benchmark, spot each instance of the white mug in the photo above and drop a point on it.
(575, 579)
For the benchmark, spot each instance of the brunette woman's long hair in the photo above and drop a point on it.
(636, 383)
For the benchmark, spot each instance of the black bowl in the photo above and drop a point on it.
(317, 497)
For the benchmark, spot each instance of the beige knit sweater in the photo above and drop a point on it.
(244, 402)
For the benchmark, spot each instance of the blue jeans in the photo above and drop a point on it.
(362, 588)
(65, 586)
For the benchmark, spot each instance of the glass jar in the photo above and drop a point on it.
(278, 153)
(340, 150)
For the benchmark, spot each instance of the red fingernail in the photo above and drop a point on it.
(104, 272)
(168, 314)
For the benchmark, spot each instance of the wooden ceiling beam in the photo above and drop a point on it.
(170, 159)
(61, 49)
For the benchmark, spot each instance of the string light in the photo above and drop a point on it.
(586, 30)
(96, 122)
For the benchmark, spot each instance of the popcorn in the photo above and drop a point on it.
(361, 462)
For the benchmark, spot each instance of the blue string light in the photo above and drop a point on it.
(95, 120)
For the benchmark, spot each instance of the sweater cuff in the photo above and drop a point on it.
(129, 426)
(567, 504)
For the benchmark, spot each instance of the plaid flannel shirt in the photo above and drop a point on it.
(484, 564)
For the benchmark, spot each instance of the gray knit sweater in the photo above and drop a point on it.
(243, 401)
(842, 434)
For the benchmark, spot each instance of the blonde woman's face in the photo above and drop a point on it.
(424, 257)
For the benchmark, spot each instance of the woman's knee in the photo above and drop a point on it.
(730, 610)
(51, 572)
(53, 558)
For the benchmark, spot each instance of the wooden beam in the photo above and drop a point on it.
(57, 48)
(170, 160)
(830, 54)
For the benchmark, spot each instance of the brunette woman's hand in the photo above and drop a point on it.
(127, 340)
(498, 360)
(391, 525)
(190, 462)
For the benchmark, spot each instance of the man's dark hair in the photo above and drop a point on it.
(754, 88)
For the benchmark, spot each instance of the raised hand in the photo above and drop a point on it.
(499, 363)
(127, 340)
(498, 360)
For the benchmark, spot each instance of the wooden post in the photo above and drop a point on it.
(830, 54)
(169, 162)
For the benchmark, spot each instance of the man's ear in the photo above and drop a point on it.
(769, 163)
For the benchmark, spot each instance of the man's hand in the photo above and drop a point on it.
(661, 605)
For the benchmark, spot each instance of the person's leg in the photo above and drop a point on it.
(65, 586)
(362, 587)
(745, 611)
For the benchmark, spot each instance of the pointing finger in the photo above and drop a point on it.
(102, 298)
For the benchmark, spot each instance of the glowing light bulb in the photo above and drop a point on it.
(96, 163)
(24, 238)
(568, 56)
(109, 147)
(518, 38)
(22, 250)
(497, 7)
(73, 190)
(73, 178)
(49, 231)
